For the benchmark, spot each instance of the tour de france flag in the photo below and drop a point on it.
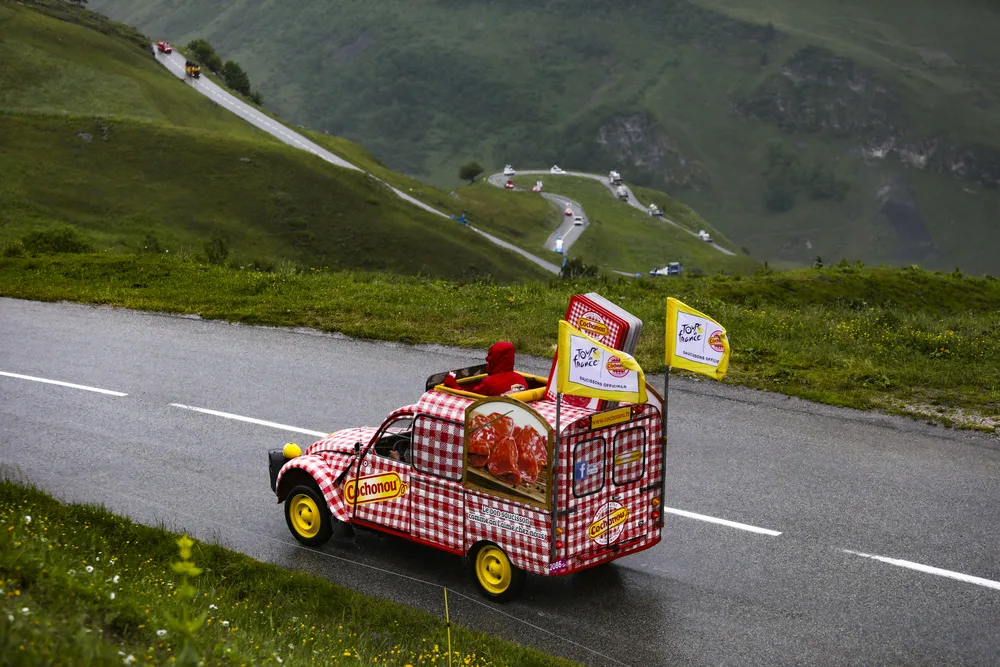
(695, 342)
(588, 368)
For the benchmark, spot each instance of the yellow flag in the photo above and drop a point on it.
(695, 342)
(588, 368)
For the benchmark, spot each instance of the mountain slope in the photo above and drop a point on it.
(799, 128)
(98, 135)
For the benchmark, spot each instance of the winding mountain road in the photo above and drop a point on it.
(796, 534)
(174, 62)
(500, 179)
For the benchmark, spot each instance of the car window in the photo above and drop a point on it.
(395, 438)
(629, 456)
(438, 447)
(588, 466)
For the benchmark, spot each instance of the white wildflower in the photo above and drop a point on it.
(27, 519)
(112, 595)
(212, 606)
(90, 568)
(278, 658)
(225, 623)
(25, 610)
(129, 659)
(114, 579)
(10, 617)
(160, 633)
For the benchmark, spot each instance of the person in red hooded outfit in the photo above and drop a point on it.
(501, 378)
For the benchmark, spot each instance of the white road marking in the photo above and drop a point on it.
(251, 420)
(968, 578)
(64, 384)
(722, 522)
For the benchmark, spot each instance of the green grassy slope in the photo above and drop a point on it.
(681, 95)
(96, 134)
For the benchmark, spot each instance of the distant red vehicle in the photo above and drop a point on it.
(164, 47)
(568, 211)
(509, 184)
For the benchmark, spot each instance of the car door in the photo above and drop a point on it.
(377, 491)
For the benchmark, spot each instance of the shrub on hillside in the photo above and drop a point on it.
(206, 54)
(217, 249)
(65, 239)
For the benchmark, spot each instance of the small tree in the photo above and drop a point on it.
(236, 78)
(205, 52)
(470, 171)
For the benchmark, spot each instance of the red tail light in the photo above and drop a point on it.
(559, 544)
(656, 514)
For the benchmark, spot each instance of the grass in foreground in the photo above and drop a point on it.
(905, 341)
(79, 585)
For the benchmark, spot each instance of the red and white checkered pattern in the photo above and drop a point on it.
(636, 495)
(486, 519)
(324, 468)
(444, 405)
(568, 414)
(342, 441)
(395, 513)
(437, 446)
(628, 443)
(437, 509)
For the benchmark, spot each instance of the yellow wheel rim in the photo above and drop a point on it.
(493, 569)
(305, 515)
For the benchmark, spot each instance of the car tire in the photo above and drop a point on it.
(493, 574)
(307, 515)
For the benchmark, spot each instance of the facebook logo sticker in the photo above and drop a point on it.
(580, 470)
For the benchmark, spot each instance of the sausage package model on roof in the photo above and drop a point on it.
(605, 322)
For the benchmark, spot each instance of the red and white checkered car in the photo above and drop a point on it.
(488, 478)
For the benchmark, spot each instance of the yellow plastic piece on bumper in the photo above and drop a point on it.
(291, 450)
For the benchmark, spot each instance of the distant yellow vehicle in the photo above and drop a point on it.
(192, 69)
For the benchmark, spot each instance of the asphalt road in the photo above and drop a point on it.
(830, 481)
(174, 62)
(567, 231)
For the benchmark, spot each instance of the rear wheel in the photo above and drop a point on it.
(493, 573)
(307, 515)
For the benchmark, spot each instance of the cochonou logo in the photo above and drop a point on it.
(715, 340)
(616, 368)
(592, 324)
(691, 332)
(374, 489)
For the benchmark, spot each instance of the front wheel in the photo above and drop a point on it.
(493, 573)
(307, 515)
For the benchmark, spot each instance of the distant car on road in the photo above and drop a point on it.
(537, 187)
(705, 236)
(568, 211)
(192, 69)
(556, 170)
(509, 184)
(615, 177)
(621, 193)
(655, 211)
(578, 220)
(509, 171)
(164, 47)
(671, 269)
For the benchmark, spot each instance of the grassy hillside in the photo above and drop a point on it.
(97, 135)
(884, 117)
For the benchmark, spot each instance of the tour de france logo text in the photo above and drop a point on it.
(691, 333)
(587, 358)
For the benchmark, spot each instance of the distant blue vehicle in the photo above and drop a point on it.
(460, 218)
